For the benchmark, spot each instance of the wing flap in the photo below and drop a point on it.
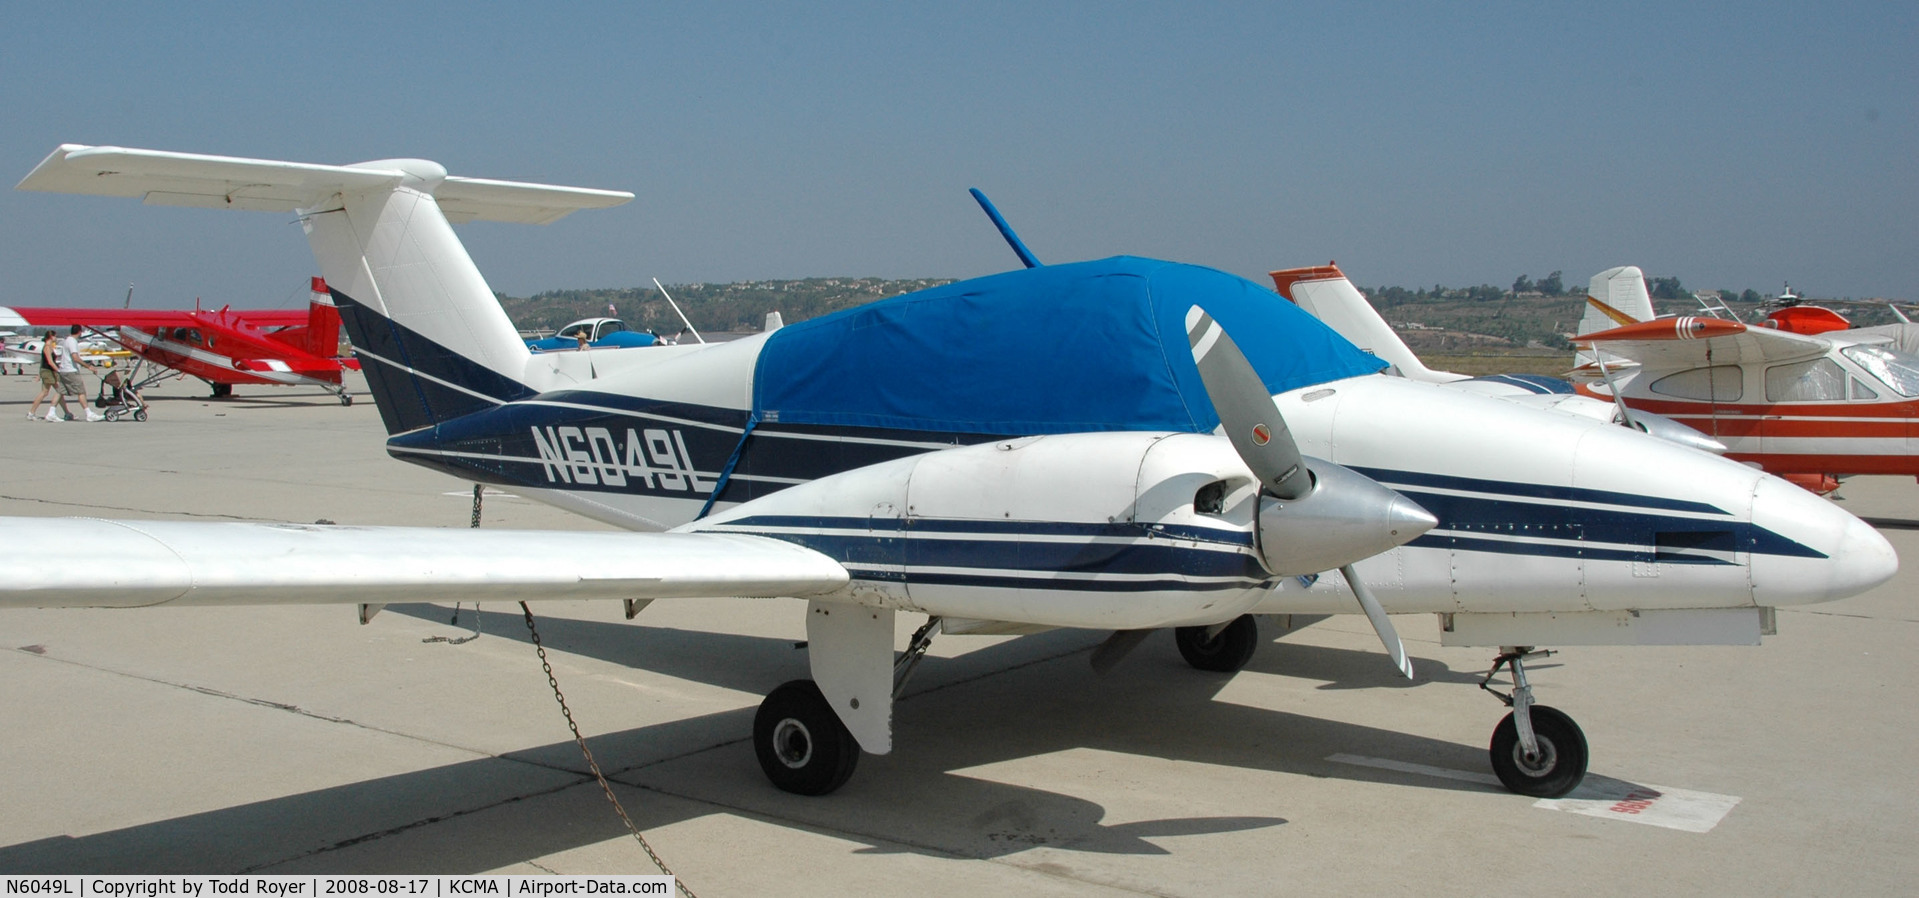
(88, 562)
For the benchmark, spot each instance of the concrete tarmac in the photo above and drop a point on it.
(283, 740)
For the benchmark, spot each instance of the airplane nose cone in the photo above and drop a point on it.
(1826, 553)
(1862, 561)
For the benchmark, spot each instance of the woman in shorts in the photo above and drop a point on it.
(49, 375)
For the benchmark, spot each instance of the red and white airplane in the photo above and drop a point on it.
(223, 347)
(1802, 394)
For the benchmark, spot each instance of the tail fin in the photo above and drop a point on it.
(434, 342)
(1325, 292)
(321, 336)
(1615, 298)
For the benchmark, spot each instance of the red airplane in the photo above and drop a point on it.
(223, 348)
(1802, 394)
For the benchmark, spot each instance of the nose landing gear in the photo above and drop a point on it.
(1536, 750)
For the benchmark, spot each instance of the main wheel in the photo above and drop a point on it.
(801, 744)
(1227, 652)
(1561, 764)
(222, 391)
(345, 399)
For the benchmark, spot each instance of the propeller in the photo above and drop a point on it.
(1312, 517)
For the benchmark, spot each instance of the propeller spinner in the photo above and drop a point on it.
(1313, 517)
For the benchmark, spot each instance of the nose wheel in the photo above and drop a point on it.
(1536, 750)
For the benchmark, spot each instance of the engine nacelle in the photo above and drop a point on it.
(1119, 530)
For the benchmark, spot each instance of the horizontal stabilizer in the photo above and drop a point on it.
(264, 185)
(199, 563)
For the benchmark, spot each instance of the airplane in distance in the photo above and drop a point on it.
(1163, 446)
(1326, 292)
(223, 347)
(1802, 394)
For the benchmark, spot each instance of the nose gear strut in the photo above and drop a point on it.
(1536, 750)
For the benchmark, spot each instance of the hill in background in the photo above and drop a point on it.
(1472, 330)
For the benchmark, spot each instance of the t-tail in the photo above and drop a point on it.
(432, 338)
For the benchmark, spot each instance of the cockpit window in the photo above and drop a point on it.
(1820, 380)
(573, 330)
(1897, 369)
(612, 327)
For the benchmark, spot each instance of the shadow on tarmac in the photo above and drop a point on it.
(963, 714)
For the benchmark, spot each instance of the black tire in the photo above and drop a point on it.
(139, 414)
(113, 414)
(1225, 653)
(1561, 765)
(345, 399)
(222, 391)
(802, 746)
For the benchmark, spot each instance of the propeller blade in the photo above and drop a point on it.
(1246, 410)
(1381, 623)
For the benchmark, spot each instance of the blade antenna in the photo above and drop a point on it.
(1005, 230)
(676, 310)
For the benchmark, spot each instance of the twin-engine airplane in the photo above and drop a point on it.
(1802, 395)
(223, 347)
(1161, 446)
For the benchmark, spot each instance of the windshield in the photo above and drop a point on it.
(1897, 369)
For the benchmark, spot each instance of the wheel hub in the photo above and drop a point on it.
(792, 743)
(1538, 764)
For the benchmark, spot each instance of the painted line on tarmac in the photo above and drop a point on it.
(1464, 776)
(1599, 796)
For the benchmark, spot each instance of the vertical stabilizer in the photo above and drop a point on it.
(1615, 298)
(1326, 293)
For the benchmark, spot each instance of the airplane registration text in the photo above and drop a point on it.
(656, 458)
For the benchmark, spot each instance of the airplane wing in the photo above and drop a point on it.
(1676, 342)
(263, 185)
(31, 316)
(201, 563)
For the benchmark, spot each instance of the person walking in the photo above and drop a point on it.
(49, 377)
(71, 383)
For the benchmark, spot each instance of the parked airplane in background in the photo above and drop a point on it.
(1801, 394)
(223, 347)
(600, 333)
(1330, 296)
(1157, 446)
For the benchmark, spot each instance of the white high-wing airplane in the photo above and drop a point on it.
(1071, 473)
(1330, 296)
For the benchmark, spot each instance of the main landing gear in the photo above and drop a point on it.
(1223, 648)
(802, 745)
(1536, 750)
(345, 399)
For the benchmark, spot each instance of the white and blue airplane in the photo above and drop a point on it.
(1162, 446)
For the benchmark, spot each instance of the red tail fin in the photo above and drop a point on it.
(323, 322)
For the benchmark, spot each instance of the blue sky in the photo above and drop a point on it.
(1454, 143)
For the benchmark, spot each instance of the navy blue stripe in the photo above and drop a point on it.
(1089, 558)
(1556, 550)
(1600, 525)
(1532, 490)
(1060, 585)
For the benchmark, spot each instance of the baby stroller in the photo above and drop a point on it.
(117, 400)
